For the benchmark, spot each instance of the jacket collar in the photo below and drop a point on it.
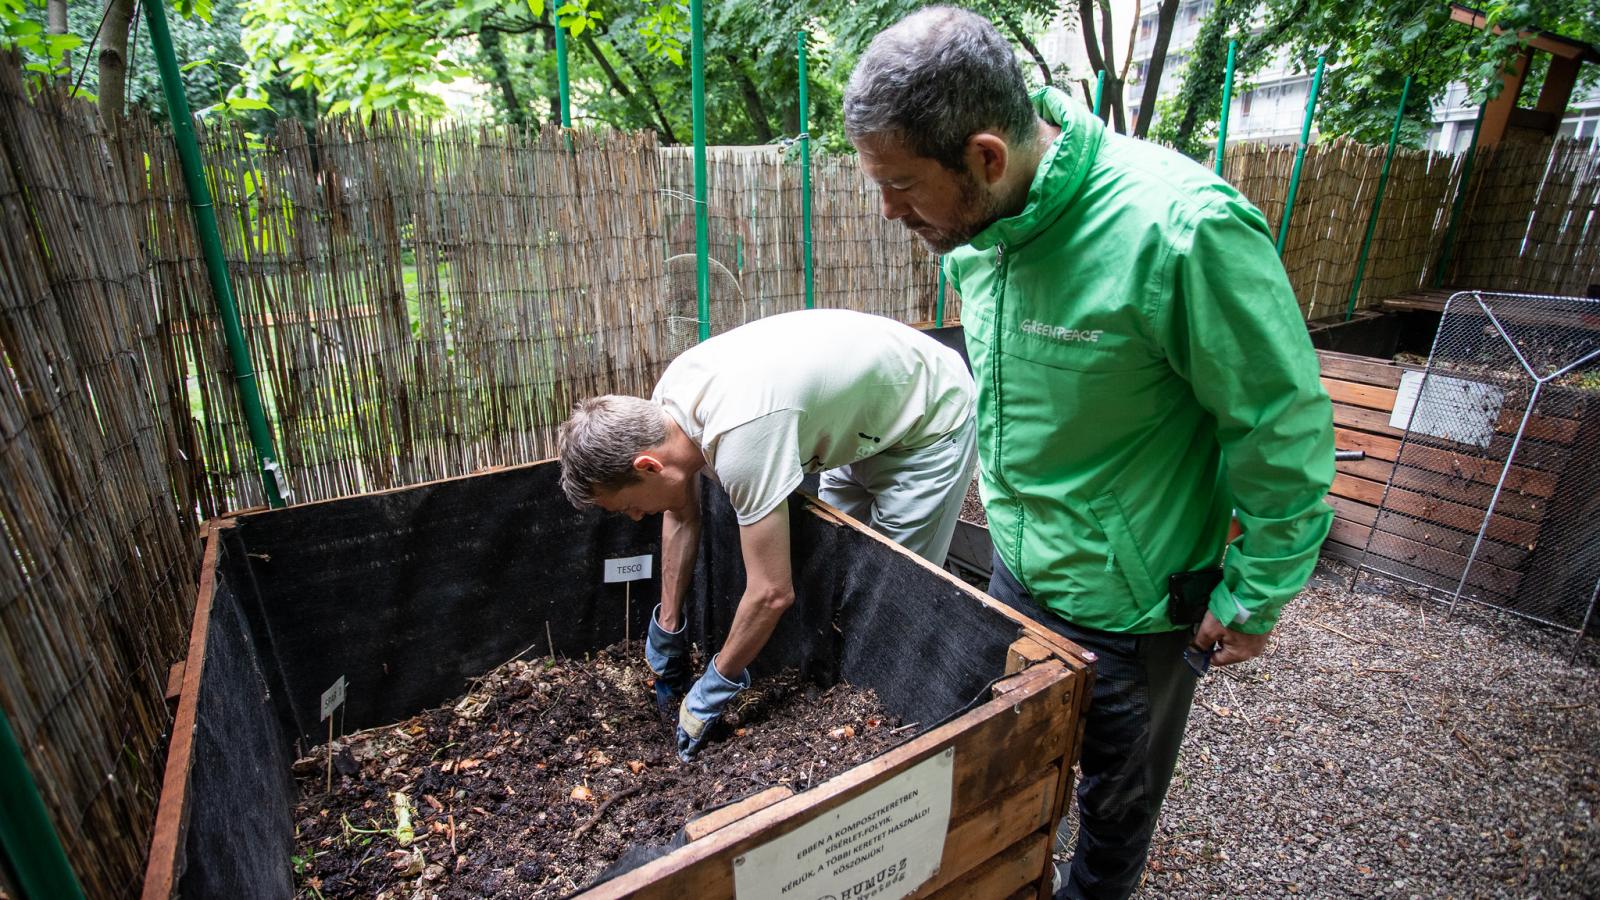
(1061, 171)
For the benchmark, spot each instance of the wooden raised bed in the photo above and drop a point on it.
(409, 593)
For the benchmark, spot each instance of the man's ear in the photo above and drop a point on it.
(646, 462)
(987, 156)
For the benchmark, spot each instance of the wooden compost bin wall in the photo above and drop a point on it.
(1438, 499)
(408, 594)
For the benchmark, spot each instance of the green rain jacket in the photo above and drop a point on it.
(1143, 371)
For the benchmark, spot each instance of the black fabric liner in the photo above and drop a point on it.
(411, 594)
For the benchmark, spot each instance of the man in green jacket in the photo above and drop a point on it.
(1143, 375)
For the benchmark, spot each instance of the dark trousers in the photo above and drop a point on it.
(1136, 717)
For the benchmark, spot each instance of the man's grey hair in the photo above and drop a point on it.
(600, 442)
(934, 79)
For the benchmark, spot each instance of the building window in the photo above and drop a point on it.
(1244, 103)
(1147, 26)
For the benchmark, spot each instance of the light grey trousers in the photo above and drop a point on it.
(913, 497)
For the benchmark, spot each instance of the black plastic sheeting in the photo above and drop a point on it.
(411, 594)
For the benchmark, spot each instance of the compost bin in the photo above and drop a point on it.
(398, 599)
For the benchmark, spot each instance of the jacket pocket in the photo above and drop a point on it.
(1126, 556)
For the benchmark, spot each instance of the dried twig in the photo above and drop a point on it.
(1462, 740)
(595, 819)
(1344, 634)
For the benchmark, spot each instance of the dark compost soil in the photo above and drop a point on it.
(547, 771)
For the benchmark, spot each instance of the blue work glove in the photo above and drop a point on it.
(703, 707)
(667, 653)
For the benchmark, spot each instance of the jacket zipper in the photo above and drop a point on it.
(994, 383)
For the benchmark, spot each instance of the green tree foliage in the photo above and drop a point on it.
(206, 41)
(1371, 46)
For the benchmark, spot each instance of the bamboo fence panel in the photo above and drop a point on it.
(96, 571)
(860, 260)
(1530, 222)
(1332, 206)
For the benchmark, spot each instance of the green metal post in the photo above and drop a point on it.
(1460, 201)
(1299, 158)
(697, 67)
(938, 304)
(562, 82)
(1377, 201)
(1227, 102)
(1099, 90)
(205, 223)
(32, 856)
(805, 175)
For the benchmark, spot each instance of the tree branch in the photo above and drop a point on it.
(1028, 45)
(644, 85)
(1165, 15)
(617, 83)
(753, 106)
(494, 53)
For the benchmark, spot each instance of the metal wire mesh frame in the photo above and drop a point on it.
(1476, 296)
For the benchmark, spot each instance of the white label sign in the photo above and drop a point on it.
(882, 845)
(1451, 408)
(332, 697)
(632, 568)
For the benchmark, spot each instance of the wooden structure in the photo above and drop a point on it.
(1011, 738)
(1503, 119)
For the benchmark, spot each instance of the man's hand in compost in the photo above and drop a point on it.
(667, 653)
(704, 706)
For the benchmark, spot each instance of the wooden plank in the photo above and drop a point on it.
(1370, 469)
(161, 873)
(1358, 489)
(1460, 516)
(724, 816)
(1366, 395)
(1362, 419)
(1376, 446)
(988, 831)
(1023, 653)
(999, 746)
(1457, 541)
(1522, 505)
(1443, 563)
(1360, 369)
(1353, 510)
(1019, 865)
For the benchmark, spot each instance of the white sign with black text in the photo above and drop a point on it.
(631, 568)
(882, 845)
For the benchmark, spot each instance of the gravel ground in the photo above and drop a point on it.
(1379, 750)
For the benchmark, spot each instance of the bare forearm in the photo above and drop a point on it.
(753, 623)
(680, 541)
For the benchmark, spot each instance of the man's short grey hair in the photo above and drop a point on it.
(934, 79)
(600, 442)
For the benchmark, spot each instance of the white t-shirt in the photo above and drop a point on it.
(805, 391)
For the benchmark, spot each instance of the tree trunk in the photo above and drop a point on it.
(617, 84)
(1113, 98)
(56, 23)
(114, 61)
(753, 106)
(495, 55)
(644, 85)
(1165, 15)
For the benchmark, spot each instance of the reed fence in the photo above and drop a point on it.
(423, 301)
(96, 575)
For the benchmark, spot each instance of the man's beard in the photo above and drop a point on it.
(982, 210)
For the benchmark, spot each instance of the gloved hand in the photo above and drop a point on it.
(703, 707)
(667, 653)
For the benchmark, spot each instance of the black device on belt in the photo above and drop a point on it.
(1189, 594)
